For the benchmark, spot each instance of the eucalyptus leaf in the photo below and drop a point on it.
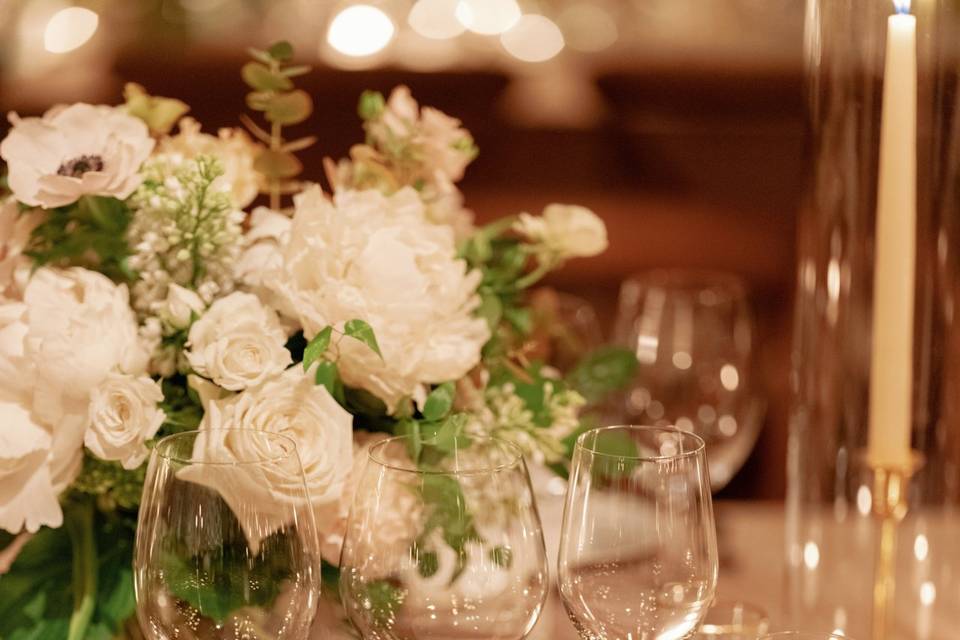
(602, 372)
(371, 105)
(362, 331)
(277, 164)
(317, 347)
(328, 375)
(281, 51)
(298, 70)
(261, 78)
(288, 108)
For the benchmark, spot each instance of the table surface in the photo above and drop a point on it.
(751, 538)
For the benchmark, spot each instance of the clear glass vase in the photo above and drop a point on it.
(832, 531)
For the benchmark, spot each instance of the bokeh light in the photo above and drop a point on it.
(360, 30)
(436, 19)
(488, 17)
(534, 38)
(69, 29)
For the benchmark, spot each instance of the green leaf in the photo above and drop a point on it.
(618, 452)
(299, 144)
(159, 114)
(281, 51)
(439, 402)
(262, 56)
(261, 78)
(362, 402)
(446, 438)
(520, 318)
(362, 331)
(288, 108)
(317, 347)
(298, 70)
(383, 599)
(427, 563)
(371, 105)
(490, 309)
(328, 375)
(502, 556)
(602, 372)
(277, 164)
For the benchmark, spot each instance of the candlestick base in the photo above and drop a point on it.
(890, 506)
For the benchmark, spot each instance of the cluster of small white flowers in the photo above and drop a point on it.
(506, 416)
(186, 231)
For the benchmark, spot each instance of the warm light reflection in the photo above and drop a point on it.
(360, 30)
(928, 593)
(901, 6)
(864, 500)
(811, 555)
(921, 547)
(534, 38)
(69, 29)
(488, 17)
(588, 27)
(682, 360)
(436, 19)
(729, 377)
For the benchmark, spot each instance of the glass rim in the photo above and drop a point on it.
(729, 286)
(516, 458)
(698, 449)
(803, 635)
(194, 433)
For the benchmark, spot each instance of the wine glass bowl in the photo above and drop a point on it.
(638, 555)
(227, 546)
(444, 541)
(693, 335)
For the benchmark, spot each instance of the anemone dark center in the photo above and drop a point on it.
(78, 166)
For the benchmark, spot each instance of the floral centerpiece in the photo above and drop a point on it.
(139, 298)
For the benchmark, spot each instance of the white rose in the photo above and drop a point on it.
(291, 405)
(233, 147)
(375, 258)
(15, 230)
(238, 343)
(565, 231)
(75, 151)
(180, 306)
(123, 416)
(28, 499)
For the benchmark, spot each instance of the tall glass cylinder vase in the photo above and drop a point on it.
(833, 534)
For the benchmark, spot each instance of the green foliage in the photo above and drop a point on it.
(439, 402)
(159, 114)
(317, 347)
(328, 375)
(110, 484)
(383, 598)
(89, 233)
(602, 372)
(360, 330)
(39, 594)
(181, 406)
(502, 556)
(217, 581)
(371, 105)
(274, 95)
(448, 512)
(428, 563)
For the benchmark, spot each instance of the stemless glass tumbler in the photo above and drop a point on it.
(226, 543)
(638, 552)
(444, 541)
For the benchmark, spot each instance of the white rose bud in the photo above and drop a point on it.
(123, 416)
(178, 309)
(238, 343)
(565, 231)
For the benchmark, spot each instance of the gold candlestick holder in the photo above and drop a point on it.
(890, 506)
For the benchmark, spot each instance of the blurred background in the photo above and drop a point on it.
(679, 122)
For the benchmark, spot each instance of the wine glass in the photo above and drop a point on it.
(638, 551)
(227, 546)
(693, 335)
(443, 541)
(733, 620)
(803, 635)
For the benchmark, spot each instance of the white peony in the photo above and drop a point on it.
(123, 416)
(181, 305)
(565, 231)
(238, 343)
(291, 405)
(233, 147)
(261, 253)
(53, 352)
(28, 499)
(15, 230)
(376, 258)
(75, 151)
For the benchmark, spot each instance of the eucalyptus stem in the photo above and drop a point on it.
(275, 142)
(534, 276)
(79, 521)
